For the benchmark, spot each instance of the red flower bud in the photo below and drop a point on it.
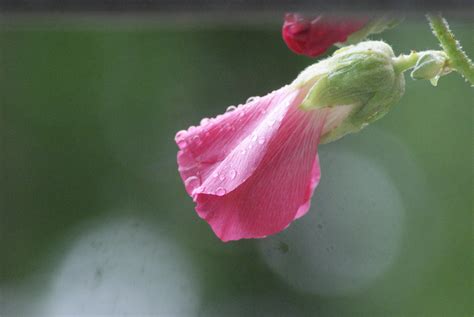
(312, 37)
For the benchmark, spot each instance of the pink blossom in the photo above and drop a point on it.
(253, 170)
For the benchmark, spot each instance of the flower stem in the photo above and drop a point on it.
(404, 62)
(458, 59)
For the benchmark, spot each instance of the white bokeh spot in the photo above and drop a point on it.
(351, 235)
(124, 266)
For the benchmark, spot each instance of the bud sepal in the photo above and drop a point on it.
(431, 65)
(361, 76)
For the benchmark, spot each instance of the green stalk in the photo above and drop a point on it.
(405, 62)
(458, 60)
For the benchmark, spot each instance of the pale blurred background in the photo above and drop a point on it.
(95, 220)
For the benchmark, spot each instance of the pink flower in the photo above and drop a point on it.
(313, 36)
(252, 170)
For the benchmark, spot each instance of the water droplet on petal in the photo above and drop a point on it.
(251, 99)
(205, 121)
(181, 135)
(254, 137)
(261, 140)
(182, 143)
(191, 128)
(215, 174)
(271, 123)
(196, 139)
(243, 152)
(232, 174)
(222, 177)
(231, 108)
(220, 191)
(192, 182)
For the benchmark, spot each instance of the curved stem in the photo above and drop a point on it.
(458, 59)
(405, 62)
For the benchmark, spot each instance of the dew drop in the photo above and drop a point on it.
(222, 177)
(191, 128)
(182, 143)
(220, 191)
(254, 137)
(205, 121)
(261, 140)
(181, 135)
(271, 123)
(196, 139)
(231, 108)
(251, 99)
(192, 182)
(232, 174)
(243, 152)
(215, 174)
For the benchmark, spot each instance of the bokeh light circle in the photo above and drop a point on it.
(124, 266)
(351, 235)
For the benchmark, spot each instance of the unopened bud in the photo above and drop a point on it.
(431, 65)
(362, 76)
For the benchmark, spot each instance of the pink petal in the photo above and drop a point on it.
(314, 181)
(278, 191)
(218, 153)
(255, 179)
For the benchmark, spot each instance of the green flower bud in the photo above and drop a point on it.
(431, 65)
(361, 76)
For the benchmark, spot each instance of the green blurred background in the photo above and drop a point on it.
(95, 219)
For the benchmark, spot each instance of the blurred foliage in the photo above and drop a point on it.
(92, 204)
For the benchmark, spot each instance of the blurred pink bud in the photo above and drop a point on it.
(313, 36)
